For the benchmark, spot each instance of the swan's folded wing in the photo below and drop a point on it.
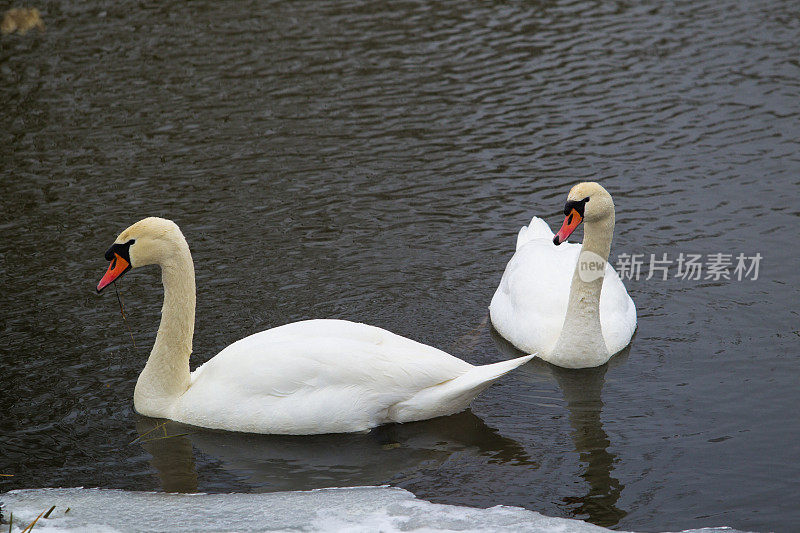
(529, 305)
(537, 229)
(313, 377)
(617, 312)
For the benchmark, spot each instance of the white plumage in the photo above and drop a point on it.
(529, 306)
(329, 376)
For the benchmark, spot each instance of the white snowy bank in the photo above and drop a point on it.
(358, 509)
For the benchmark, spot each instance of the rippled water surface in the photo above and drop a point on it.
(373, 161)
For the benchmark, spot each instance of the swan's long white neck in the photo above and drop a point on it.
(581, 342)
(166, 375)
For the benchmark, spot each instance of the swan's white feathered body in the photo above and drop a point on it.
(329, 376)
(530, 305)
(315, 376)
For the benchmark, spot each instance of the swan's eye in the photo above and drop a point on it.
(585, 200)
(132, 241)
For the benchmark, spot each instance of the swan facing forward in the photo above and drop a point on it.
(538, 307)
(314, 376)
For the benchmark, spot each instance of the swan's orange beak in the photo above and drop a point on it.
(571, 221)
(117, 268)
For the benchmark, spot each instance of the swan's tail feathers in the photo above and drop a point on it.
(454, 395)
(487, 374)
(537, 229)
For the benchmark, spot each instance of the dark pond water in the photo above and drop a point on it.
(373, 161)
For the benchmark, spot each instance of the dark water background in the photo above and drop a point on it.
(373, 161)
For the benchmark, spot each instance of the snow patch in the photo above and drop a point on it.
(356, 509)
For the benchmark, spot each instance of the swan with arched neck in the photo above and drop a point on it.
(314, 376)
(563, 300)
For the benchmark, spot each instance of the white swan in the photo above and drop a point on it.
(315, 376)
(549, 302)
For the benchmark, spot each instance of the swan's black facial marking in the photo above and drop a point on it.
(577, 205)
(124, 251)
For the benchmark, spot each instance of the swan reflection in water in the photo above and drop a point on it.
(266, 463)
(582, 390)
